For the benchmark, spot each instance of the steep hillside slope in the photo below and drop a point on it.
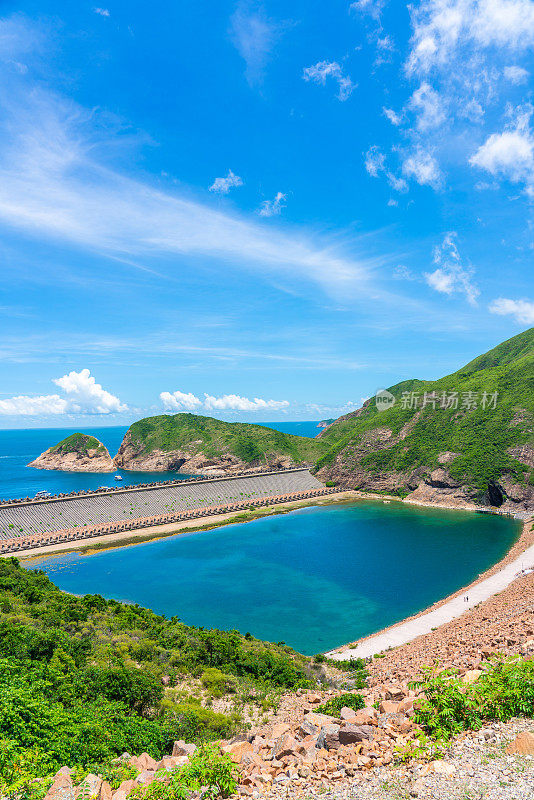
(194, 444)
(467, 436)
(76, 453)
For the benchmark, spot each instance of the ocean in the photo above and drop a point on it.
(19, 447)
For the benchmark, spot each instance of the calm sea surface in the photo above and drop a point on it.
(314, 578)
(19, 447)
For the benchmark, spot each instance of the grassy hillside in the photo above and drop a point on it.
(81, 677)
(215, 437)
(481, 437)
(78, 443)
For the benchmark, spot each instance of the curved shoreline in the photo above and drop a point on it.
(407, 629)
(128, 538)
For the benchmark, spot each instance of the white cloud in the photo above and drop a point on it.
(516, 75)
(43, 405)
(86, 396)
(233, 402)
(510, 154)
(272, 208)
(451, 276)
(56, 183)
(394, 118)
(83, 395)
(372, 7)
(399, 184)
(443, 29)
(223, 185)
(181, 401)
(522, 310)
(428, 107)
(319, 73)
(375, 161)
(103, 12)
(254, 35)
(423, 167)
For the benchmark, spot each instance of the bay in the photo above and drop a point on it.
(314, 578)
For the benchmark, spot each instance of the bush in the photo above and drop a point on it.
(505, 690)
(348, 700)
(208, 770)
(217, 682)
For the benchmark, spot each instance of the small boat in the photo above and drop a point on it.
(42, 495)
(118, 477)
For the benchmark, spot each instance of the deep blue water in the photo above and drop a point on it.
(19, 447)
(314, 578)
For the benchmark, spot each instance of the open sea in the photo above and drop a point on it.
(314, 578)
(19, 447)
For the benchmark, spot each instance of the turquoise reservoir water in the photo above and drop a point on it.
(314, 578)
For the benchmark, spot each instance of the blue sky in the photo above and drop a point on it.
(257, 210)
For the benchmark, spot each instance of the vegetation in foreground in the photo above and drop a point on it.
(82, 678)
(504, 690)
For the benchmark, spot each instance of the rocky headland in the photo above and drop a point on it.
(467, 438)
(196, 445)
(76, 453)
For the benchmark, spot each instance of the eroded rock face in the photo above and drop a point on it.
(77, 453)
(132, 456)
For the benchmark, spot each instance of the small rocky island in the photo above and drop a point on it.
(77, 453)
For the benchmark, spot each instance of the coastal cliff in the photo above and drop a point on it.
(76, 453)
(466, 438)
(193, 444)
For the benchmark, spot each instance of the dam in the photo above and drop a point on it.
(34, 523)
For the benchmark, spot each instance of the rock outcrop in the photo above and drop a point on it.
(195, 445)
(133, 456)
(76, 453)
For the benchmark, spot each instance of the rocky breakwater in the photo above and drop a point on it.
(76, 453)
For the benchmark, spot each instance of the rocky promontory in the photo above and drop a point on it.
(77, 453)
(467, 438)
(195, 445)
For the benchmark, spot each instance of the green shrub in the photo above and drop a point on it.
(208, 770)
(347, 700)
(505, 690)
(217, 682)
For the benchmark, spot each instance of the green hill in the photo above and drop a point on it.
(476, 426)
(174, 440)
(79, 443)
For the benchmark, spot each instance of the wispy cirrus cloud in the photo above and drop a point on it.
(254, 35)
(55, 183)
(319, 73)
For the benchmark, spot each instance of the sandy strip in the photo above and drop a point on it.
(494, 580)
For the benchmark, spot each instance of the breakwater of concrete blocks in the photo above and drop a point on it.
(29, 525)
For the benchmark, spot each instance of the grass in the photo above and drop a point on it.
(480, 437)
(193, 433)
(78, 443)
